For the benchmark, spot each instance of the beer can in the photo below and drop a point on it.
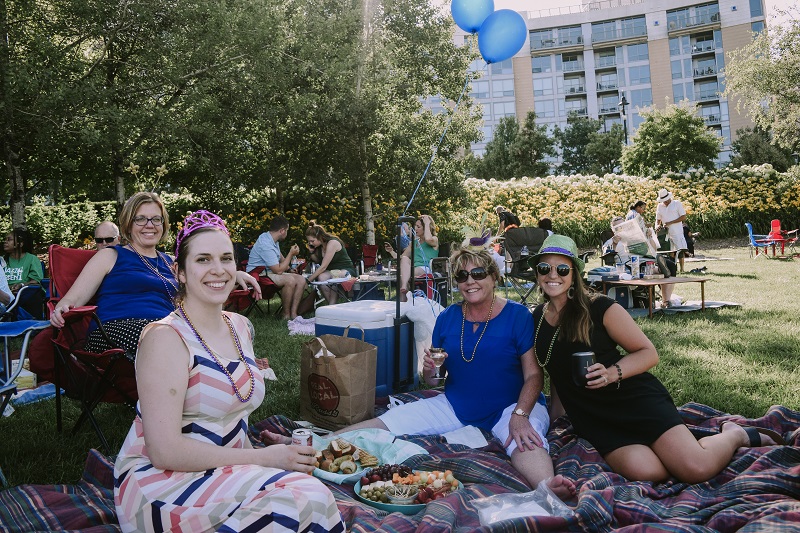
(302, 436)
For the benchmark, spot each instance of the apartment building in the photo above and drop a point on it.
(586, 58)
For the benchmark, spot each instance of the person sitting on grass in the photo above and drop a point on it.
(187, 463)
(493, 381)
(622, 410)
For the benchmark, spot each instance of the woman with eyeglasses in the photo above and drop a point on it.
(492, 380)
(133, 284)
(622, 410)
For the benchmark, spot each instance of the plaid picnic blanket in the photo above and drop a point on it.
(758, 492)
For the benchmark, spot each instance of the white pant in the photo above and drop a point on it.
(434, 416)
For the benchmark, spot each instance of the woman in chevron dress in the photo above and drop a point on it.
(187, 463)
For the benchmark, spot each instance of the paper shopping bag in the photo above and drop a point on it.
(337, 388)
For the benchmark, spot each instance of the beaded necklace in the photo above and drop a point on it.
(552, 341)
(154, 270)
(208, 349)
(464, 320)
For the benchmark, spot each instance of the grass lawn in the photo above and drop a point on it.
(739, 360)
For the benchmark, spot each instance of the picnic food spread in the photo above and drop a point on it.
(398, 484)
(343, 457)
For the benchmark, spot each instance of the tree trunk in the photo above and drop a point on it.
(366, 199)
(10, 155)
(366, 195)
(119, 179)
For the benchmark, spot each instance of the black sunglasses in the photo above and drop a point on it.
(477, 274)
(107, 240)
(562, 270)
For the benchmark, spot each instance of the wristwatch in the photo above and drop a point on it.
(520, 412)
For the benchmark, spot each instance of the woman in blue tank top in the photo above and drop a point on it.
(133, 284)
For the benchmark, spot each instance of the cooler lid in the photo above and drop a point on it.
(361, 311)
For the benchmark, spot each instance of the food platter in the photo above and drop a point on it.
(411, 509)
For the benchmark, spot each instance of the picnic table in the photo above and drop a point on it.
(650, 284)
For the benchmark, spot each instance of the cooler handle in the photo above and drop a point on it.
(355, 324)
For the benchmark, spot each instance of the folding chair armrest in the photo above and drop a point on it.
(78, 313)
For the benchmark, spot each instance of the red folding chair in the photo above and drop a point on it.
(369, 256)
(90, 378)
(244, 302)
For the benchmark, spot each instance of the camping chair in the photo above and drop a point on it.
(520, 245)
(90, 378)
(754, 243)
(244, 301)
(369, 257)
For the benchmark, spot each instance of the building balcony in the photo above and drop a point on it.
(572, 66)
(703, 72)
(703, 47)
(712, 120)
(622, 33)
(705, 96)
(605, 62)
(580, 111)
(607, 86)
(575, 90)
(682, 23)
(608, 110)
(557, 42)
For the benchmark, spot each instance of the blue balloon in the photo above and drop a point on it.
(502, 35)
(470, 14)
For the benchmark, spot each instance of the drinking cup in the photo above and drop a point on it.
(581, 361)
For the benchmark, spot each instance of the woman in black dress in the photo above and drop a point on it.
(623, 410)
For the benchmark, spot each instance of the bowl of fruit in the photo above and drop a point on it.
(398, 488)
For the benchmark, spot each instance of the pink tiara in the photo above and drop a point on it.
(198, 220)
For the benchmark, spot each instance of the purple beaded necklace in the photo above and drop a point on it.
(235, 337)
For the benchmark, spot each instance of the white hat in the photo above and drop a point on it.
(664, 195)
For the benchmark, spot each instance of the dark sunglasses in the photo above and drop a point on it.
(107, 240)
(562, 270)
(477, 274)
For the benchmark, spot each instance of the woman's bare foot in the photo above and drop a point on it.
(562, 487)
(269, 438)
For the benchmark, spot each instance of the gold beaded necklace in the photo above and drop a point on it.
(464, 320)
(208, 349)
(154, 270)
(536, 338)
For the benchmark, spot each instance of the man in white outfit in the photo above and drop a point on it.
(671, 214)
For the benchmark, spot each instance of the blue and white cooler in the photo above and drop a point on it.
(397, 370)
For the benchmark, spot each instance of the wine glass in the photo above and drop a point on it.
(438, 355)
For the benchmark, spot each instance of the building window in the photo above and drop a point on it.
(606, 58)
(677, 92)
(688, 90)
(569, 62)
(488, 133)
(503, 109)
(757, 27)
(574, 86)
(607, 81)
(569, 36)
(674, 46)
(637, 52)
(480, 89)
(604, 31)
(634, 27)
(544, 109)
(541, 64)
(677, 72)
(641, 98)
(639, 75)
(502, 88)
(503, 67)
(479, 65)
(608, 104)
(487, 112)
(707, 91)
(577, 106)
(543, 87)
(542, 39)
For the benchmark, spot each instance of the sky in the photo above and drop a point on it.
(530, 5)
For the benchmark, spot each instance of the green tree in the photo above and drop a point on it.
(530, 148)
(768, 70)
(753, 146)
(604, 150)
(497, 162)
(574, 141)
(671, 139)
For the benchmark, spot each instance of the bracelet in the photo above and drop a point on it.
(619, 374)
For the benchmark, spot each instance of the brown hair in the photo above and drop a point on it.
(129, 212)
(576, 322)
(422, 218)
(318, 232)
